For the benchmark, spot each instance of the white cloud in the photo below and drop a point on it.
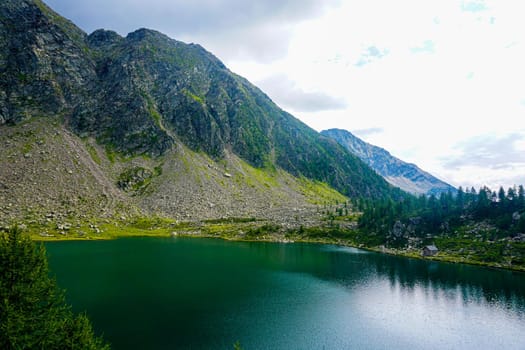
(490, 151)
(254, 30)
(466, 84)
(289, 96)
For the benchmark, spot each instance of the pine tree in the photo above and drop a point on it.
(33, 312)
(511, 193)
(460, 198)
(502, 197)
(521, 197)
(483, 202)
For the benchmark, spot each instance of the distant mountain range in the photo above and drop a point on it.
(101, 122)
(406, 176)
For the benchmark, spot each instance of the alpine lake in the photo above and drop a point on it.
(197, 293)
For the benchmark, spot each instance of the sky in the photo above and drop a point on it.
(437, 83)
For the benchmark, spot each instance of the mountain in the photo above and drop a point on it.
(151, 124)
(406, 176)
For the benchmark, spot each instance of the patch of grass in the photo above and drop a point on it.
(229, 220)
(265, 177)
(27, 147)
(225, 230)
(156, 117)
(153, 111)
(93, 153)
(111, 154)
(193, 96)
(111, 231)
(136, 179)
(263, 230)
(95, 230)
(319, 192)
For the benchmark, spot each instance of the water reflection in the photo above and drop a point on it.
(400, 301)
(350, 267)
(442, 280)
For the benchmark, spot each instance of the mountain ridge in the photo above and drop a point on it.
(407, 176)
(144, 106)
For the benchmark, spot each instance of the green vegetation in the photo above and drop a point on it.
(341, 230)
(93, 153)
(33, 312)
(319, 192)
(266, 229)
(194, 97)
(111, 154)
(484, 226)
(27, 147)
(137, 179)
(156, 117)
(233, 220)
(266, 177)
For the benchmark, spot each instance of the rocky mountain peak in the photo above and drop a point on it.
(102, 38)
(406, 176)
(146, 34)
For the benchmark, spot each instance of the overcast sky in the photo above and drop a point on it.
(437, 83)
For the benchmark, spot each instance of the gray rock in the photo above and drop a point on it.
(406, 176)
(64, 227)
(397, 229)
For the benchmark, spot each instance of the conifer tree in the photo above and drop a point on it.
(521, 197)
(33, 312)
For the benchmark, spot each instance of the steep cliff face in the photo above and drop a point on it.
(151, 97)
(406, 176)
(45, 68)
(157, 90)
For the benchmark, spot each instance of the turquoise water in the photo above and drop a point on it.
(153, 293)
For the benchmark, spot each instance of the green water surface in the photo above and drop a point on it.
(180, 293)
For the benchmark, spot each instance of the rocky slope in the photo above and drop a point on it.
(406, 176)
(48, 174)
(148, 124)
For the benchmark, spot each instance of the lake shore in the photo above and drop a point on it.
(237, 230)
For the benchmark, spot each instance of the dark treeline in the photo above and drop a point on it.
(421, 217)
